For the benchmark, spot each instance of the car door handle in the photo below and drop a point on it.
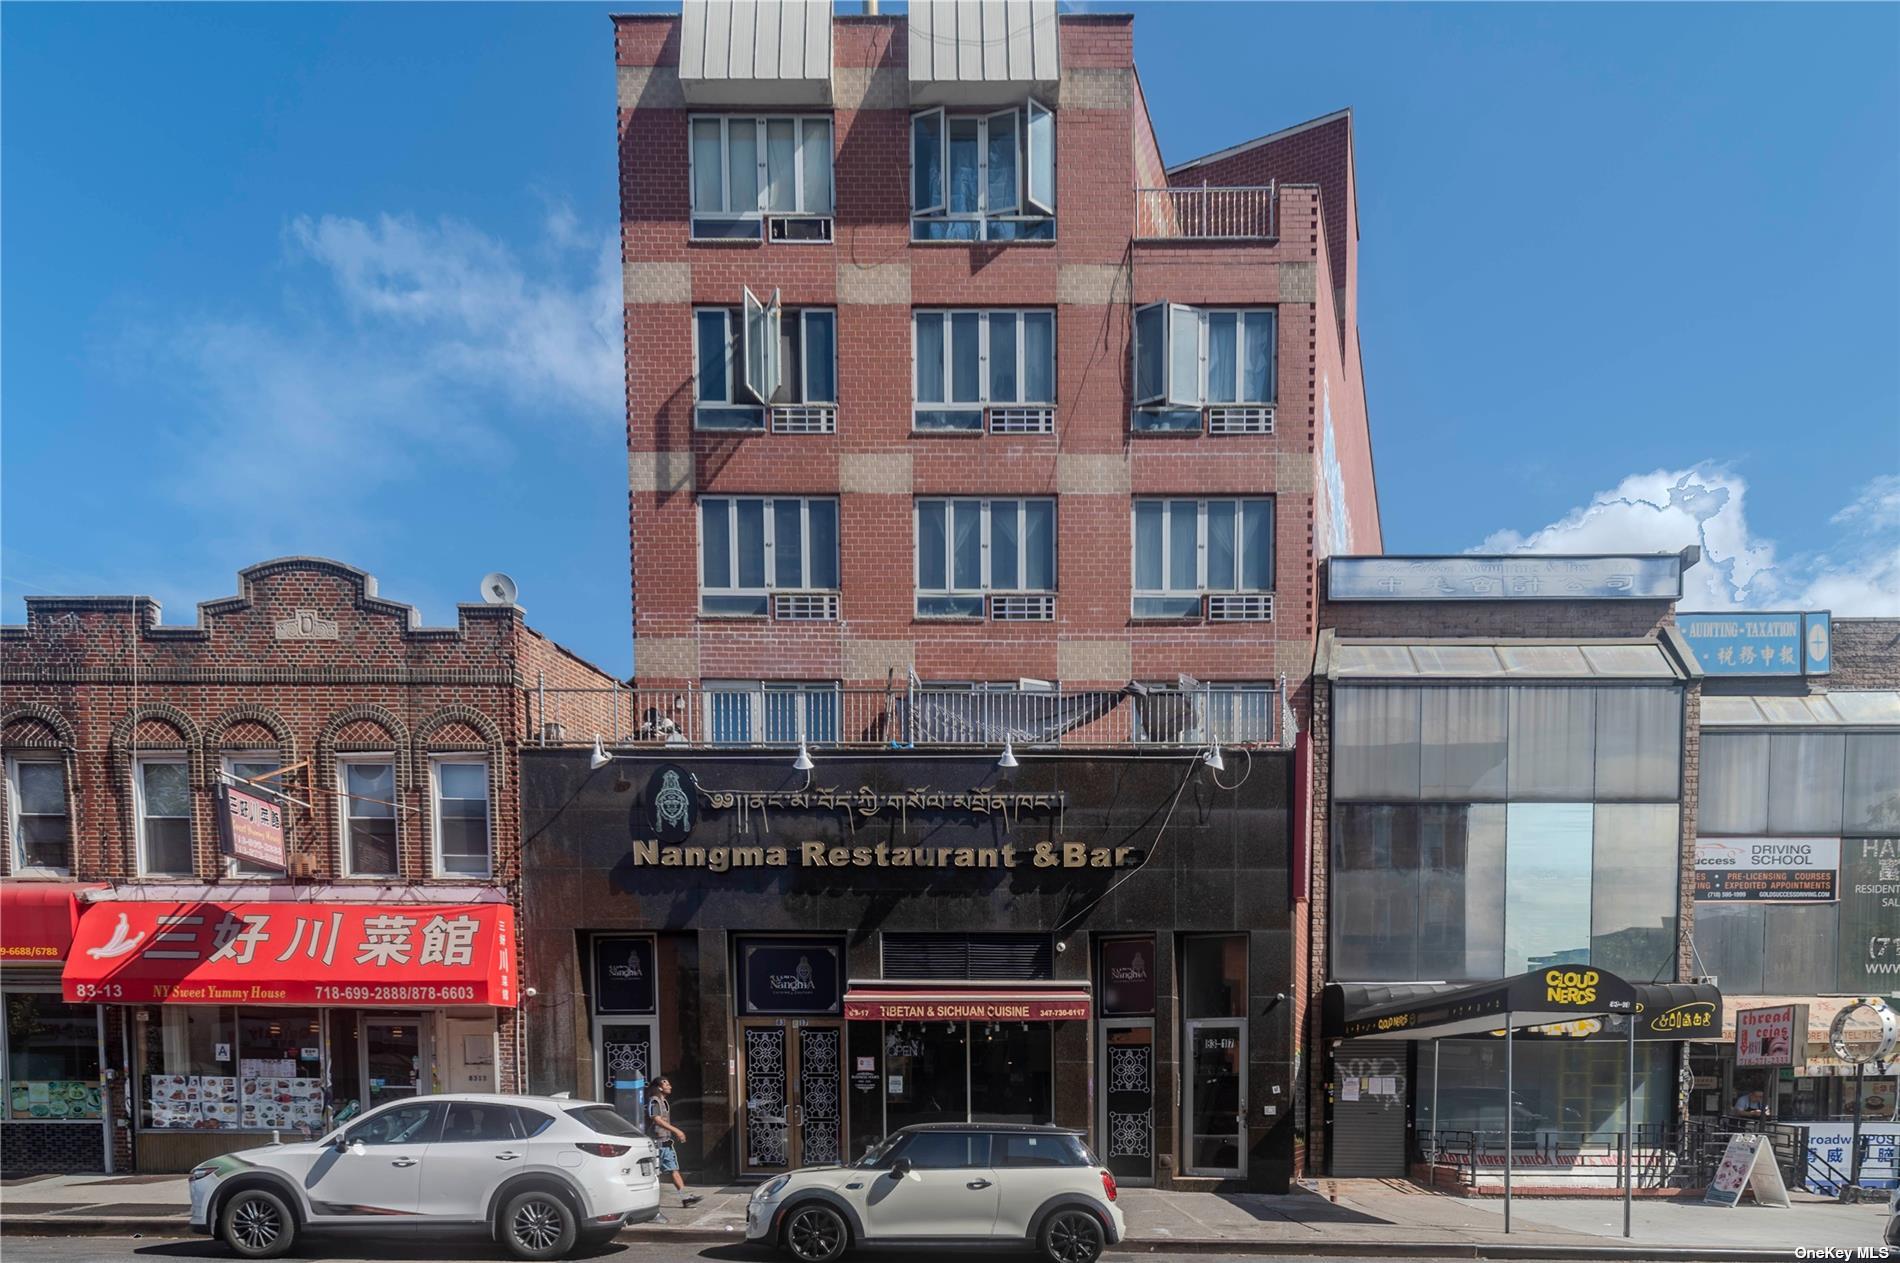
(402, 1162)
(978, 1184)
(506, 1157)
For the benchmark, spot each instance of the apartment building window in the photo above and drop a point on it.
(40, 826)
(969, 365)
(758, 177)
(247, 766)
(757, 552)
(162, 788)
(1190, 553)
(774, 712)
(1204, 370)
(460, 789)
(970, 551)
(983, 177)
(759, 358)
(370, 831)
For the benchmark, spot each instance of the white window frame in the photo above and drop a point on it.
(770, 537)
(16, 809)
(1171, 395)
(1026, 206)
(138, 812)
(436, 762)
(1201, 587)
(346, 843)
(984, 400)
(755, 693)
(227, 761)
(950, 549)
(759, 122)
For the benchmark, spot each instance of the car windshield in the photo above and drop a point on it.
(604, 1119)
(876, 1152)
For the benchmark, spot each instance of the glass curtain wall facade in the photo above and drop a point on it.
(1481, 831)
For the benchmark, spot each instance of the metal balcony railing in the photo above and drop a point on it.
(773, 715)
(1205, 213)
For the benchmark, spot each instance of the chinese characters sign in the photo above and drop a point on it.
(1802, 869)
(251, 828)
(293, 953)
(1509, 578)
(1760, 644)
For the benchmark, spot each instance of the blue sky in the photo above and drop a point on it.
(307, 278)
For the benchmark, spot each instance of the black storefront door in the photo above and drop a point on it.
(629, 1060)
(1126, 1123)
(792, 1084)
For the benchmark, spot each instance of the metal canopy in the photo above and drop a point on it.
(1500, 660)
(1542, 997)
(1665, 1011)
(1871, 709)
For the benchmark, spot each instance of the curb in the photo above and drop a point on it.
(173, 1226)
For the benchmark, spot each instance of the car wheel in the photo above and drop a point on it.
(256, 1224)
(1072, 1236)
(538, 1225)
(815, 1234)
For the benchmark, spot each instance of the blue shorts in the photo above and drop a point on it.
(669, 1161)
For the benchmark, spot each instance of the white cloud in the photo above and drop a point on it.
(1666, 510)
(401, 348)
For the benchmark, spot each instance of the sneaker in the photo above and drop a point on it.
(687, 1199)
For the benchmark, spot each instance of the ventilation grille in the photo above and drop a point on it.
(799, 227)
(805, 607)
(1252, 608)
(1022, 420)
(1258, 420)
(809, 418)
(1022, 609)
(991, 957)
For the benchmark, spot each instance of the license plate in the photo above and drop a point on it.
(646, 1166)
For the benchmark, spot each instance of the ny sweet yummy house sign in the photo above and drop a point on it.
(677, 804)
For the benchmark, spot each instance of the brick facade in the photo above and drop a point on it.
(1092, 274)
(1866, 654)
(306, 662)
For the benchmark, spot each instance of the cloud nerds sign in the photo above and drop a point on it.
(1760, 643)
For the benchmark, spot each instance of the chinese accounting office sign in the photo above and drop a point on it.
(1760, 644)
(293, 953)
(1507, 578)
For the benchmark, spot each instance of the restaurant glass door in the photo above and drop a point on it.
(792, 1087)
(627, 1057)
(395, 1051)
(1216, 1098)
(1125, 1127)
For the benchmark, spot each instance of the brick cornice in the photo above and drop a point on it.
(506, 676)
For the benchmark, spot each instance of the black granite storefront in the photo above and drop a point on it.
(707, 915)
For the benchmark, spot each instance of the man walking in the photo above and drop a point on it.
(662, 1132)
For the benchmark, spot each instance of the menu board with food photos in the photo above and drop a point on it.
(214, 1101)
(52, 1100)
(281, 1101)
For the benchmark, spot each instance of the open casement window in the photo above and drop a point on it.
(751, 547)
(970, 548)
(983, 177)
(759, 339)
(1187, 549)
(1190, 358)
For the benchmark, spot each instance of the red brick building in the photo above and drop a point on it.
(395, 748)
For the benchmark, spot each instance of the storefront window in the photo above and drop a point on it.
(1562, 1088)
(1733, 794)
(1639, 743)
(1011, 1072)
(1375, 738)
(1547, 885)
(1804, 782)
(213, 1068)
(1375, 892)
(1633, 890)
(926, 1071)
(1214, 975)
(1464, 756)
(1873, 783)
(1553, 746)
(1461, 891)
(52, 1058)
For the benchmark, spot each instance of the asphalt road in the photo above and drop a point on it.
(356, 1250)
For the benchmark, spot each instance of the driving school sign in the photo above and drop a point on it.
(1803, 869)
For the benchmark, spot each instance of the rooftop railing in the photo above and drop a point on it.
(775, 716)
(1205, 213)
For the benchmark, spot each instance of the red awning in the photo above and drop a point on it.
(965, 1002)
(37, 918)
(361, 955)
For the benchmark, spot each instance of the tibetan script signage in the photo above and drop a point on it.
(1803, 869)
(128, 952)
(1526, 577)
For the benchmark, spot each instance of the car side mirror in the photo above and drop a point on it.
(900, 1168)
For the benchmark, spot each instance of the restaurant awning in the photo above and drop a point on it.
(881, 1000)
(1664, 1010)
(361, 955)
(37, 919)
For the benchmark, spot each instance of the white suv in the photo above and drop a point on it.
(947, 1183)
(540, 1174)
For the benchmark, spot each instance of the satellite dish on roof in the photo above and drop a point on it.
(499, 589)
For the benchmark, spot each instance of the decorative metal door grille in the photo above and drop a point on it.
(820, 1094)
(765, 1129)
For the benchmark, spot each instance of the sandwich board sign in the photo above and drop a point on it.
(1747, 1163)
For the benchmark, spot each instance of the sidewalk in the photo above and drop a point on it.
(1348, 1217)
